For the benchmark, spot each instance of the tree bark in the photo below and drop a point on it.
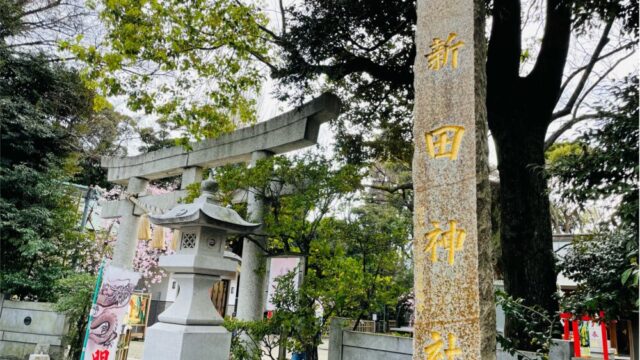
(519, 111)
(311, 352)
(526, 238)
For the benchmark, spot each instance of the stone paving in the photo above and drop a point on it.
(136, 348)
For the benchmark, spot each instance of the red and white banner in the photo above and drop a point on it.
(109, 312)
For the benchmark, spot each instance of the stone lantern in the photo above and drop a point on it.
(191, 327)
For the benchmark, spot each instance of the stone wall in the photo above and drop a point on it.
(25, 324)
(560, 350)
(352, 345)
(345, 344)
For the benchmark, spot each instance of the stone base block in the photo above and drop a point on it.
(186, 342)
(39, 357)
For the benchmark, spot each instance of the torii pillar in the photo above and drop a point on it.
(252, 279)
(125, 247)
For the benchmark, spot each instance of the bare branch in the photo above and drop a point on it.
(51, 5)
(602, 77)
(32, 43)
(566, 126)
(284, 20)
(392, 189)
(582, 68)
(263, 60)
(604, 39)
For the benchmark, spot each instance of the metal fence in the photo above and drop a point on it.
(363, 326)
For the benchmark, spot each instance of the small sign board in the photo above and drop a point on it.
(138, 316)
(279, 266)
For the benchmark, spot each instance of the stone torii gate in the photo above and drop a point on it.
(290, 131)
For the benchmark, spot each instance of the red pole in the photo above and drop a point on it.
(576, 339)
(565, 321)
(603, 327)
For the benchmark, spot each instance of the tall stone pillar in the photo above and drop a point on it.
(125, 248)
(251, 289)
(448, 107)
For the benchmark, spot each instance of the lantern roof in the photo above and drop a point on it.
(204, 211)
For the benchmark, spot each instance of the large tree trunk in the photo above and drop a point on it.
(311, 352)
(526, 239)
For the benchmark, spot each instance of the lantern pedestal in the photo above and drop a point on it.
(193, 304)
(173, 341)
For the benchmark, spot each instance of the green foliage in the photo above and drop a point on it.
(10, 23)
(599, 264)
(352, 267)
(561, 150)
(295, 313)
(363, 52)
(159, 52)
(376, 245)
(538, 326)
(604, 165)
(39, 106)
(153, 140)
(39, 232)
(101, 135)
(250, 338)
(588, 12)
(298, 193)
(74, 299)
(294, 323)
(42, 109)
(46, 109)
(604, 161)
(50, 135)
(193, 191)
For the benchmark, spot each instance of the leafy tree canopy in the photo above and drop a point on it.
(352, 266)
(298, 194)
(46, 123)
(603, 162)
(365, 51)
(596, 264)
(188, 62)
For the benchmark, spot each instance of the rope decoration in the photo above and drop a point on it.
(148, 209)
